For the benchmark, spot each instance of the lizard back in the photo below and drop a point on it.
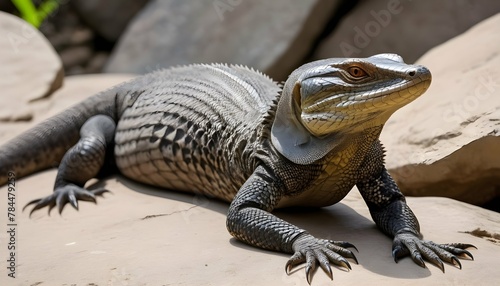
(195, 128)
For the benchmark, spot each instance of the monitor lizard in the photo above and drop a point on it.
(232, 133)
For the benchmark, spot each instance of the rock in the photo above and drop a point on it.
(60, 39)
(271, 36)
(108, 17)
(76, 56)
(75, 89)
(81, 36)
(64, 28)
(96, 64)
(447, 142)
(144, 236)
(7, 6)
(30, 69)
(78, 88)
(408, 28)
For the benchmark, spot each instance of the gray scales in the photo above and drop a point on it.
(232, 133)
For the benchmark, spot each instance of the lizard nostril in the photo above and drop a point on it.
(412, 73)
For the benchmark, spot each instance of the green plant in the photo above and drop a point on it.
(33, 14)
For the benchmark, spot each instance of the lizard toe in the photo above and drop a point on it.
(311, 265)
(314, 251)
(343, 244)
(63, 195)
(458, 249)
(296, 259)
(41, 203)
(399, 251)
(343, 251)
(409, 244)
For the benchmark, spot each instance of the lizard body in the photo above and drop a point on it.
(232, 133)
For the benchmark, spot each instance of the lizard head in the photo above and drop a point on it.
(326, 99)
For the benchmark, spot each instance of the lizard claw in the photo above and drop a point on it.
(313, 251)
(296, 259)
(456, 262)
(69, 193)
(459, 249)
(408, 244)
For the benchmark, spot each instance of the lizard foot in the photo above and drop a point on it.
(311, 250)
(408, 244)
(69, 193)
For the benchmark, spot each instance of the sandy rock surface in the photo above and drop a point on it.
(447, 142)
(142, 236)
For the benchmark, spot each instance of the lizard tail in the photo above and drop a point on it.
(44, 145)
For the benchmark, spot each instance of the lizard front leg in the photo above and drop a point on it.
(390, 212)
(249, 220)
(80, 163)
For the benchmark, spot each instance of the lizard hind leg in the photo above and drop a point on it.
(81, 163)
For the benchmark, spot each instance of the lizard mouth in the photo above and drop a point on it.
(371, 97)
(355, 106)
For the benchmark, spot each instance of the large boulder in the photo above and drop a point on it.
(408, 28)
(447, 143)
(108, 17)
(30, 68)
(271, 36)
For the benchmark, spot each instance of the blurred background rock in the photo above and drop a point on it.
(138, 36)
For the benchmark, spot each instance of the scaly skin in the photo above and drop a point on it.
(232, 133)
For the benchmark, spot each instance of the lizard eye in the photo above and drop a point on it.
(357, 72)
